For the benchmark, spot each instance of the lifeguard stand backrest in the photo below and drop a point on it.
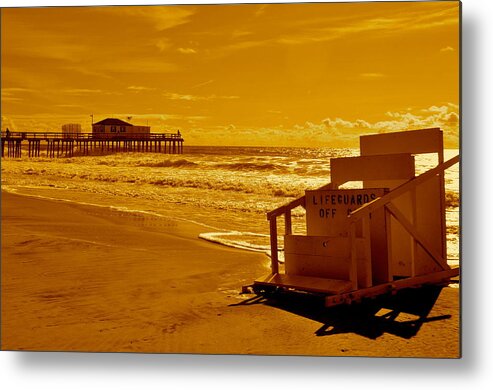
(384, 171)
(412, 141)
(424, 208)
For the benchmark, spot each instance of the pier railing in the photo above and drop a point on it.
(52, 135)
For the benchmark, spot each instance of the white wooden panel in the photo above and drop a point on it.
(424, 212)
(429, 224)
(384, 167)
(318, 266)
(379, 256)
(317, 245)
(402, 244)
(414, 141)
(307, 256)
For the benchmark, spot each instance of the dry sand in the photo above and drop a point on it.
(81, 278)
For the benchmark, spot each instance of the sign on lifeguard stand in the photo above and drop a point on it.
(387, 235)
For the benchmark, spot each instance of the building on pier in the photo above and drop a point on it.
(116, 128)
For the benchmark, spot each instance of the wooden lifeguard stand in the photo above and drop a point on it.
(388, 235)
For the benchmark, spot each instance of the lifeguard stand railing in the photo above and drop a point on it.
(387, 235)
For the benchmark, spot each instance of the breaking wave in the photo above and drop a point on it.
(243, 240)
(452, 199)
(262, 167)
(254, 242)
(168, 164)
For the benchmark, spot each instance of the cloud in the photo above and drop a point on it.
(372, 75)
(187, 50)
(261, 9)
(160, 18)
(331, 28)
(11, 99)
(53, 46)
(162, 44)
(11, 94)
(436, 109)
(69, 105)
(339, 123)
(178, 96)
(249, 44)
(82, 91)
(340, 132)
(240, 33)
(13, 89)
(136, 88)
(445, 117)
(228, 97)
(137, 65)
(451, 118)
(168, 17)
(202, 84)
(337, 132)
(125, 64)
(397, 24)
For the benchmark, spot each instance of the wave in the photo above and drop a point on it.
(452, 199)
(276, 165)
(237, 240)
(242, 166)
(203, 182)
(243, 240)
(188, 166)
(170, 163)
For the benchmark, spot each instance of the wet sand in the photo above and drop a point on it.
(83, 278)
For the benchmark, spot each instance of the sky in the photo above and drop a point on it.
(254, 75)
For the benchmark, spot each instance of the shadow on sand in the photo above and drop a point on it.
(402, 314)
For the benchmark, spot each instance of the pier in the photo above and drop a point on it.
(56, 144)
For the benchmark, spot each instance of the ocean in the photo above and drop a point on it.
(226, 191)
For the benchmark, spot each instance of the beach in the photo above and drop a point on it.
(79, 277)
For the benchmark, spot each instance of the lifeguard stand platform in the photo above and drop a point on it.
(388, 235)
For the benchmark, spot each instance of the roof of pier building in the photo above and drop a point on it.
(113, 122)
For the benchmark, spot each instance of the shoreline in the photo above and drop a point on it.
(81, 278)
